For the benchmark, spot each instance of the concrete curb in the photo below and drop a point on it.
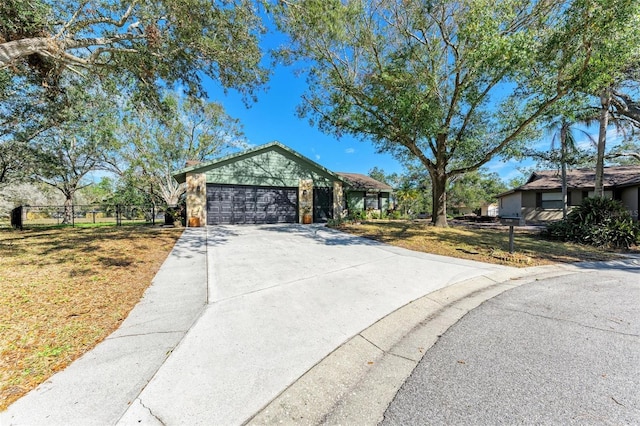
(356, 383)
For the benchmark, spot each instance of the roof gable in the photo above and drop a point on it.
(245, 158)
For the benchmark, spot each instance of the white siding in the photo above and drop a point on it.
(511, 204)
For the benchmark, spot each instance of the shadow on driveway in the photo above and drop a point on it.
(321, 234)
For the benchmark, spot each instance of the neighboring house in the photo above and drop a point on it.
(273, 184)
(486, 210)
(365, 193)
(489, 210)
(540, 199)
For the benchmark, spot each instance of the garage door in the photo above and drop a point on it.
(232, 204)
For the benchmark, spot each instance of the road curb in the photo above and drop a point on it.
(356, 382)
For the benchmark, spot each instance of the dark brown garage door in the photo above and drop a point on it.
(232, 204)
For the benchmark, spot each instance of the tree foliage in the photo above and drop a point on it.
(140, 44)
(156, 142)
(449, 83)
(412, 189)
(77, 140)
(475, 189)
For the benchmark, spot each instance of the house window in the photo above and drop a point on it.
(371, 202)
(550, 200)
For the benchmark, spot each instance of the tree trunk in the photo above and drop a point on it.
(68, 209)
(563, 166)
(605, 101)
(439, 213)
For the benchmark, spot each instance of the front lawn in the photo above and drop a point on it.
(62, 291)
(476, 242)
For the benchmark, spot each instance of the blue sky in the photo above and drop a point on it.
(274, 118)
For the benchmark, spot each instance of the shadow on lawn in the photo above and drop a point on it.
(475, 241)
(61, 245)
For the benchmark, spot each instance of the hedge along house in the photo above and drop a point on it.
(540, 198)
(267, 184)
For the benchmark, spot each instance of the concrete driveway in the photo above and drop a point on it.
(217, 347)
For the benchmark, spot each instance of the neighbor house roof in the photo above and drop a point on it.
(614, 177)
(364, 183)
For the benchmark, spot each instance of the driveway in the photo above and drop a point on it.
(281, 298)
(217, 347)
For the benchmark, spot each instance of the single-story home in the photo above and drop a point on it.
(540, 198)
(274, 184)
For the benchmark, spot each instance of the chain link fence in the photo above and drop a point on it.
(86, 215)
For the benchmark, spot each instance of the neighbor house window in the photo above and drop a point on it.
(371, 202)
(550, 200)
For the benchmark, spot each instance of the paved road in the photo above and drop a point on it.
(563, 351)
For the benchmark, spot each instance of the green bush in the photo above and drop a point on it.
(335, 223)
(599, 222)
(357, 215)
(395, 214)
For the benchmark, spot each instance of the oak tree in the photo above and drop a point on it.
(139, 44)
(449, 83)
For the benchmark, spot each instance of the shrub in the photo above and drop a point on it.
(357, 215)
(395, 214)
(335, 223)
(599, 222)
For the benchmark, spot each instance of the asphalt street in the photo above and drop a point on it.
(564, 350)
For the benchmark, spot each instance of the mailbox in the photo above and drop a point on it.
(512, 221)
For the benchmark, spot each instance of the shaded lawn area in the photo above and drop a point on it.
(481, 243)
(62, 291)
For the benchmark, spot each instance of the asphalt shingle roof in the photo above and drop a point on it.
(363, 182)
(583, 178)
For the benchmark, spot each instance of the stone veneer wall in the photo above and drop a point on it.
(196, 199)
(305, 198)
(338, 200)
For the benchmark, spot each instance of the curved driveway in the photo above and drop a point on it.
(278, 299)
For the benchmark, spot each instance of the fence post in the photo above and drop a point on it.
(16, 217)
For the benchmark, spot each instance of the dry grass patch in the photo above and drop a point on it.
(62, 291)
(485, 244)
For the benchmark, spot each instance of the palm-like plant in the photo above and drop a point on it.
(567, 154)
